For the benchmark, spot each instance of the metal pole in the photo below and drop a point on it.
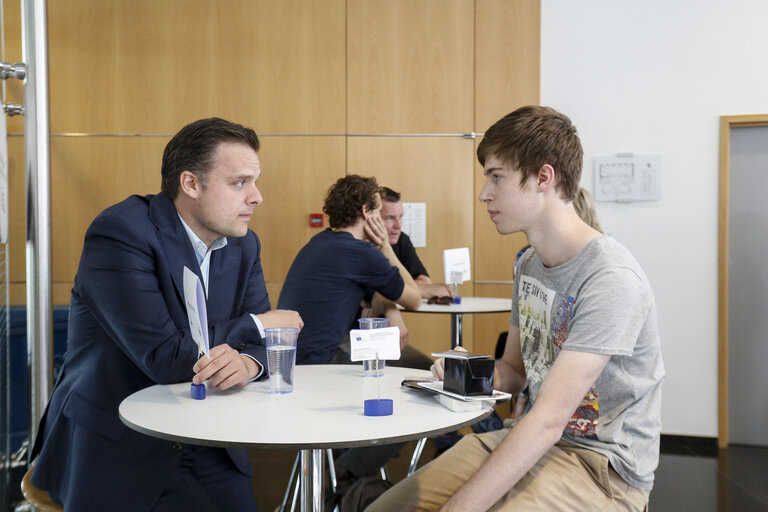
(37, 157)
(311, 480)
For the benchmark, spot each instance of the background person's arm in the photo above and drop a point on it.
(428, 289)
(376, 233)
(381, 307)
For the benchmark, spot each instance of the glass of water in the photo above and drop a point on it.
(373, 367)
(281, 357)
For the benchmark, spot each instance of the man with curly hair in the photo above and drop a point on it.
(332, 273)
(329, 279)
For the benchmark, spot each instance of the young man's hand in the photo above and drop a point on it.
(438, 367)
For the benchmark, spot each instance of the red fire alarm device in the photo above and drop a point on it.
(316, 220)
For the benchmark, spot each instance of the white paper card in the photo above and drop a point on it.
(456, 265)
(366, 343)
(194, 299)
(415, 223)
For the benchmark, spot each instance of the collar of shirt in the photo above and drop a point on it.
(202, 252)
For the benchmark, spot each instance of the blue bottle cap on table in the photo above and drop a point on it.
(457, 300)
(197, 391)
(380, 407)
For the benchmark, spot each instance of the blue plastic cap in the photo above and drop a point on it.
(197, 391)
(381, 407)
(457, 300)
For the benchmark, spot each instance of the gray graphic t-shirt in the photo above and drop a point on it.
(599, 302)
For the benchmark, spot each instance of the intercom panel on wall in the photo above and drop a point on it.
(627, 177)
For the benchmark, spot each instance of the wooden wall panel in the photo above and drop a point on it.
(436, 171)
(88, 174)
(17, 213)
(410, 66)
(331, 68)
(488, 326)
(142, 66)
(432, 170)
(507, 40)
(296, 174)
(431, 332)
(273, 289)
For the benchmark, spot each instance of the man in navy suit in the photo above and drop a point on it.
(128, 329)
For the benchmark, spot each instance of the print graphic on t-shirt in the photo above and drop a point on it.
(534, 303)
(561, 316)
(544, 318)
(583, 423)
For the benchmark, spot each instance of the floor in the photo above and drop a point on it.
(693, 475)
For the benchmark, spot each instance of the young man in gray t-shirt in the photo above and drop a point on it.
(583, 337)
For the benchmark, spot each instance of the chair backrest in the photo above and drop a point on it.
(36, 496)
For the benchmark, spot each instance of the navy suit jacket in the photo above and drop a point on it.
(128, 330)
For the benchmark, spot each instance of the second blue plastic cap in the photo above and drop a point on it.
(382, 407)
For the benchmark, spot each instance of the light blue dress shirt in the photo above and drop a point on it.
(203, 255)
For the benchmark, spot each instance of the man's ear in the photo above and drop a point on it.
(190, 185)
(366, 212)
(546, 178)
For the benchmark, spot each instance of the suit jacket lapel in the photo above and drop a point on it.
(222, 279)
(174, 241)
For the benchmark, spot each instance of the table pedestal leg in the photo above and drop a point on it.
(312, 480)
(455, 330)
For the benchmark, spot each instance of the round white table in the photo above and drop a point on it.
(325, 410)
(468, 305)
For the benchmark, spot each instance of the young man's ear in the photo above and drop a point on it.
(190, 185)
(546, 178)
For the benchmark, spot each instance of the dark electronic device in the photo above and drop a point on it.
(468, 374)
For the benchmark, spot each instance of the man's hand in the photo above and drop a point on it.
(429, 290)
(376, 231)
(281, 318)
(438, 367)
(225, 367)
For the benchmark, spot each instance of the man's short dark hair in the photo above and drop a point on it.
(193, 149)
(389, 195)
(533, 136)
(346, 198)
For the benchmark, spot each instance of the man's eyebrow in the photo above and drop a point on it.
(488, 171)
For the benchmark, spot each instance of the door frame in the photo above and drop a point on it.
(726, 123)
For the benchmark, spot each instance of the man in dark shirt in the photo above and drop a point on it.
(392, 214)
(328, 280)
(331, 275)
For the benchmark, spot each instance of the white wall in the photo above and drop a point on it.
(654, 77)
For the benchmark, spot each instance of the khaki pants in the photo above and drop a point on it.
(565, 479)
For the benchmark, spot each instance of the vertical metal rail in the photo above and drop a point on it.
(34, 28)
